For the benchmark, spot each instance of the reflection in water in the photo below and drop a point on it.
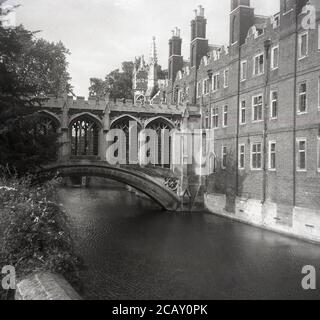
(134, 250)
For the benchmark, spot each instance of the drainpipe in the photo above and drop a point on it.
(294, 178)
(238, 121)
(210, 74)
(267, 45)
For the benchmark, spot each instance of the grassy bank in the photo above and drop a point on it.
(34, 231)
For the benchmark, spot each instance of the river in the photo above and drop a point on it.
(133, 250)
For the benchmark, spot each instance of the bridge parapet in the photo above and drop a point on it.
(128, 106)
(118, 105)
(80, 103)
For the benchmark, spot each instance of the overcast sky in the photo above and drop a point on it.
(102, 33)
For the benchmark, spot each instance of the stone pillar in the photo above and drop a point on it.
(65, 139)
(106, 128)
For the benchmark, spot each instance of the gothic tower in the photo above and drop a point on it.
(140, 79)
(153, 71)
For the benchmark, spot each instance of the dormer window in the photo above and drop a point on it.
(259, 33)
(276, 21)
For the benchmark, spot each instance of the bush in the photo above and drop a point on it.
(35, 229)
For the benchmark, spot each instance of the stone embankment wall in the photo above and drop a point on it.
(298, 222)
(45, 286)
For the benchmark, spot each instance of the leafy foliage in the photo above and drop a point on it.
(35, 230)
(117, 84)
(30, 69)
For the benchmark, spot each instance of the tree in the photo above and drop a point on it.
(117, 84)
(30, 69)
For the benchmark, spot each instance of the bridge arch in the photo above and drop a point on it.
(85, 131)
(51, 116)
(160, 119)
(164, 147)
(86, 115)
(141, 181)
(123, 123)
(124, 117)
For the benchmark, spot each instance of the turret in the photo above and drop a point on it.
(153, 71)
(199, 43)
(175, 57)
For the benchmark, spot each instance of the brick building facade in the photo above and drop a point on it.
(261, 94)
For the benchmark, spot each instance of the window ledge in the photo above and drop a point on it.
(258, 75)
(302, 113)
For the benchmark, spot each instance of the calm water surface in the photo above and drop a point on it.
(133, 250)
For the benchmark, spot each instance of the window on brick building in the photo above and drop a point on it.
(243, 112)
(215, 117)
(302, 98)
(224, 157)
(274, 104)
(256, 156)
(226, 78)
(243, 71)
(275, 57)
(302, 155)
(215, 82)
(207, 122)
(257, 106)
(318, 154)
(225, 116)
(205, 86)
(319, 93)
(319, 37)
(258, 64)
(272, 155)
(303, 42)
(199, 90)
(242, 156)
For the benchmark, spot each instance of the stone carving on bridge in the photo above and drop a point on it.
(172, 184)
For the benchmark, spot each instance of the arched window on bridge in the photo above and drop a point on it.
(124, 124)
(160, 124)
(84, 137)
(46, 126)
(45, 133)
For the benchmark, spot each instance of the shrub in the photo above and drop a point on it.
(36, 235)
